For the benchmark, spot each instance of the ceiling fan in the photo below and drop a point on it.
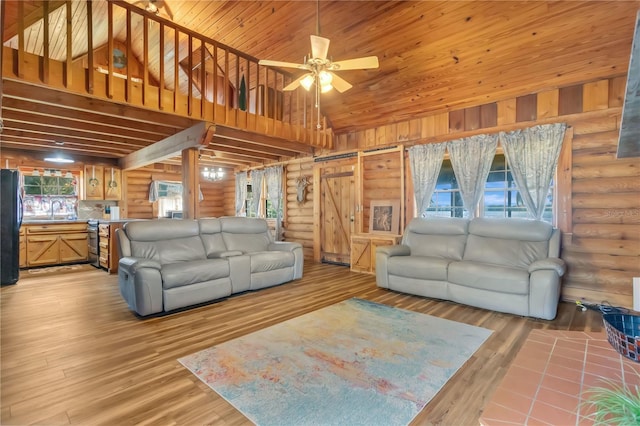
(321, 70)
(154, 6)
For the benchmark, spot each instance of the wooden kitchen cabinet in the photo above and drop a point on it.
(102, 183)
(55, 244)
(108, 248)
(23, 248)
(93, 182)
(363, 250)
(112, 183)
(42, 250)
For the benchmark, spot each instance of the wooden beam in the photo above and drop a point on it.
(197, 136)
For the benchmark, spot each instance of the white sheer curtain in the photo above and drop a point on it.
(425, 161)
(241, 191)
(532, 154)
(471, 160)
(256, 191)
(273, 177)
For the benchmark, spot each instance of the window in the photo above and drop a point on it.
(267, 210)
(50, 196)
(501, 197)
(168, 197)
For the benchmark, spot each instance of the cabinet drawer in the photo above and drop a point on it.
(56, 229)
(104, 264)
(104, 245)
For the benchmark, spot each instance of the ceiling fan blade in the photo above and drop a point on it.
(167, 9)
(367, 62)
(340, 84)
(294, 84)
(319, 47)
(281, 64)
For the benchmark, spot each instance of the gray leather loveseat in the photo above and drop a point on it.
(169, 264)
(506, 265)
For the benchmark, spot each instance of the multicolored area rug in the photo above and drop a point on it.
(355, 362)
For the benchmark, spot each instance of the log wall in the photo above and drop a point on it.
(298, 220)
(602, 233)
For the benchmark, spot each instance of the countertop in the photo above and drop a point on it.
(52, 222)
(66, 222)
(118, 220)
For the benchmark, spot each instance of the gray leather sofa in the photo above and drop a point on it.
(506, 265)
(169, 264)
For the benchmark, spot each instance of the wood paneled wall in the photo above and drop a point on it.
(137, 205)
(602, 241)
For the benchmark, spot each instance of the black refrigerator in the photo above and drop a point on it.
(10, 221)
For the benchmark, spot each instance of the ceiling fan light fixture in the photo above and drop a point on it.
(325, 78)
(324, 88)
(307, 82)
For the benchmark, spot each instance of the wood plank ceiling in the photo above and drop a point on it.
(434, 56)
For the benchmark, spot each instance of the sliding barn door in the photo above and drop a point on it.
(337, 204)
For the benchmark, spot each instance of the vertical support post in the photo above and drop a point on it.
(145, 60)
(128, 96)
(90, 64)
(69, 30)
(190, 76)
(20, 67)
(190, 184)
(161, 76)
(110, 49)
(45, 42)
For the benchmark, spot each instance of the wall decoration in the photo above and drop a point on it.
(384, 216)
(301, 188)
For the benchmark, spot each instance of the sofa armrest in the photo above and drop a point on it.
(140, 284)
(224, 254)
(396, 250)
(298, 254)
(551, 263)
(133, 264)
(283, 246)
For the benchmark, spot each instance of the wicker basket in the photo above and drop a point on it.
(623, 332)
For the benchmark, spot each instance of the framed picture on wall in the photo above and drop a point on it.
(384, 217)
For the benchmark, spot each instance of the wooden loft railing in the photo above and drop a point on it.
(113, 50)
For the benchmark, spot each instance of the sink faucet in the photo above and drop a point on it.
(53, 208)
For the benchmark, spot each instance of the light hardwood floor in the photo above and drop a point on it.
(72, 352)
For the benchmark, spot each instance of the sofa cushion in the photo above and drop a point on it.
(185, 273)
(271, 260)
(245, 234)
(420, 267)
(166, 241)
(211, 235)
(514, 243)
(437, 237)
(490, 277)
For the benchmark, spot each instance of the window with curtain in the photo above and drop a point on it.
(501, 197)
(167, 195)
(267, 209)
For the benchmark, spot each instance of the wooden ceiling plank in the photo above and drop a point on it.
(241, 135)
(30, 18)
(62, 134)
(90, 127)
(222, 143)
(22, 90)
(197, 136)
(85, 116)
(242, 153)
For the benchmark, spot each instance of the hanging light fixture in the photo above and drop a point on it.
(213, 175)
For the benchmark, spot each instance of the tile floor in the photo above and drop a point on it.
(544, 384)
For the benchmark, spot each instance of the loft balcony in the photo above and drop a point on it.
(111, 52)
